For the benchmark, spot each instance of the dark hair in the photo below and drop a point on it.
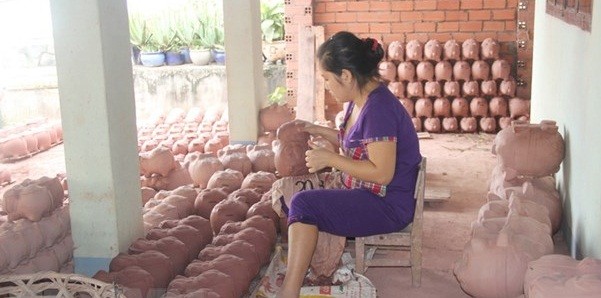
(344, 50)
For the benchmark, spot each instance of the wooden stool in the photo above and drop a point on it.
(410, 238)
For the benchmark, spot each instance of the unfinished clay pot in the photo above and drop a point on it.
(202, 166)
(13, 147)
(452, 89)
(234, 266)
(462, 71)
(504, 122)
(432, 50)
(415, 89)
(154, 262)
(489, 49)
(387, 71)
(274, 115)
(263, 208)
(31, 201)
(396, 51)
(257, 238)
(480, 70)
(449, 124)
(208, 284)
(157, 161)
(266, 138)
(327, 256)
(498, 106)
(290, 147)
(432, 124)
(488, 124)
(191, 237)
(500, 70)
(507, 88)
(478, 107)
(470, 88)
(227, 179)
(261, 158)
(147, 194)
(149, 145)
(470, 49)
(417, 124)
(460, 107)
(170, 246)
(227, 210)
(397, 88)
(406, 72)
(240, 248)
(432, 89)
(44, 139)
(489, 88)
(442, 107)
(180, 147)
(258, 222)
(261, 181)
(414, 50)
(451, 50)
(534, 150)
(408, 105)
(207, 199)
(468, 124)
(423, 107)
(425, 71)
(443, 71)
(5, 177)
(175, 115)
(234, 157)
(194, 114)
(249, 196)
(519, 107)
(136, 281)
(557, 276)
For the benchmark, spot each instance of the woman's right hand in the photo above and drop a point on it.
(312, 129)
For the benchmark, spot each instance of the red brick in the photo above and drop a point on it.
(493, 26)
(389, 38)
(481, 15)
(434, 16)
(471, 4)
(494, 4)
(442, 37)
(472, 26)
(378, 16)
(514, 3)
(319, 8)
(455, 15)
(423, 37)
(506, 36)
(447, 26)
(425, 5)
(510, 25)
(461, 37)
(504, 14)
(412, 16)
(357, 6)
(424, 27)
(480, 36)
(379, 28)
(323, 18)
(346, 17)
(336, 6)
(337, 27)
(379, 6)
(448, 5)
(358, 27)
(401, 6)
(402, 27)
(294, 10)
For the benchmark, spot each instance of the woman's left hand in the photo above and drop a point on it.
(318, 157)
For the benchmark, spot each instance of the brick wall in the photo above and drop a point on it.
(403, 20)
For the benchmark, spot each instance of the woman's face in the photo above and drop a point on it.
(336, 85)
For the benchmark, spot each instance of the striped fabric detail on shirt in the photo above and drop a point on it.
(360, 153)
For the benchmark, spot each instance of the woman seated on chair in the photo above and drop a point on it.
(379, 166)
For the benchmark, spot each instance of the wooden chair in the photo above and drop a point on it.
(410, 238)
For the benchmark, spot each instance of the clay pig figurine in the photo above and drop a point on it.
(406, 72)
(396, 51)
(290, 147)
(33, 199)
(451, 50)
(432, 50)
(414, 50)
(387, 71)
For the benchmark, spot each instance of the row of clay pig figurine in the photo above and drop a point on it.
(490, 88)
(433, 50)
(31, 141)
(442, 71)
(522, 213)
(461, 107)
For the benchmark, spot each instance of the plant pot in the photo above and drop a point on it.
(274, 51)
(135, 55)
(152, 59)
(200, 57)
(185, 52)
(174, 58)
(219, 56)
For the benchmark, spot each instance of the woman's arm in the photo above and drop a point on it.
(378, 168)
(330, 134)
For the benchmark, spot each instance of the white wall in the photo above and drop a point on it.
(566, 87)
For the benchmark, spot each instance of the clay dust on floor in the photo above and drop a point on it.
(461, 162)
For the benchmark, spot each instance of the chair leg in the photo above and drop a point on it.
(416, 265)
(359, 255)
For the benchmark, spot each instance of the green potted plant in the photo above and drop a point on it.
(272, 28)
(150, 50)
(219, 44)
(168, 40)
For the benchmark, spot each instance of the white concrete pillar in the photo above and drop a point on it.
(244, 67)
(98, 115)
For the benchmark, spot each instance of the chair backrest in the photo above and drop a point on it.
(420, 192)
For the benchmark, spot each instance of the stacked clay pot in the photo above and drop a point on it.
(523, 211)
(453, 87)
(554, 276)
(23, 141)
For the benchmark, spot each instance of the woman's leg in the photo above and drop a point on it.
(302, 239)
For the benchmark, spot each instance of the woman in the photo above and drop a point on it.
(379, 166)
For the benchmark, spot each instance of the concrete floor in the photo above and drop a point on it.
(461, 162)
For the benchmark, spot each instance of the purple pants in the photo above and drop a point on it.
(352, 212)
